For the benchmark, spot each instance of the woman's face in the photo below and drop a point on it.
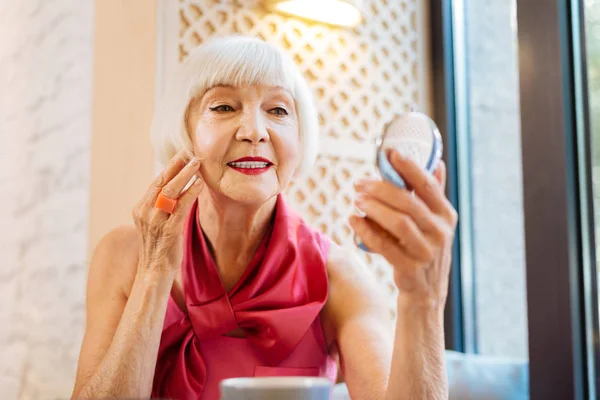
(248, 140)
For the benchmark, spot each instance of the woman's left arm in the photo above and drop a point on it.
(414, 232)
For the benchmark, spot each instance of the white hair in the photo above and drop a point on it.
(231, 61)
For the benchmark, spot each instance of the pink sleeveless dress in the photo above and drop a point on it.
(277, 302)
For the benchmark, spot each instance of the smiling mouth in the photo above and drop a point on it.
(249, 164)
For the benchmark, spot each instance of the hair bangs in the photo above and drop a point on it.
(248, 63)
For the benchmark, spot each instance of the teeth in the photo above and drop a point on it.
(249, 164)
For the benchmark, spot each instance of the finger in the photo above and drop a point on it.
(175, 186)
(399, 225)
(400, 200)
(187, 199)
(440, 175)
(379, 241)
(423, 183)
(176, 164)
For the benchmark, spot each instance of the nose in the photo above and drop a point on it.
(253, 128)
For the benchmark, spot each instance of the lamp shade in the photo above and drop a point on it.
(346, 13)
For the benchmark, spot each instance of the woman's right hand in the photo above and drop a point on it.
(161, 233)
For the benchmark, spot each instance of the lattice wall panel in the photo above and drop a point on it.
(360, 78)
(326, 199)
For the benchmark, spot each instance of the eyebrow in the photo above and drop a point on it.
(208, 96)
(224, 86)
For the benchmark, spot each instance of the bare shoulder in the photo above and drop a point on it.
(353, 292)
(350, 279)
(114, 261)
(122, 241)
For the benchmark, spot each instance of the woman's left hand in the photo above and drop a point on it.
(413, 232)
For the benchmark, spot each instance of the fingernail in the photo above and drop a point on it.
(358, 212)
(389, 153)
(396, 154)
(353, 220)
(364, 184)
(194, 162)
(361, 202)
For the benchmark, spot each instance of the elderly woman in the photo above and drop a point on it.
(219, 278)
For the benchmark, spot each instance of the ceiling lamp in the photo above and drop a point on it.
(333, 12)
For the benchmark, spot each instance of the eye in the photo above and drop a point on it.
(279, 111)
(222, 108)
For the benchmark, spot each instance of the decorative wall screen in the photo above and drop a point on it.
(360, 78)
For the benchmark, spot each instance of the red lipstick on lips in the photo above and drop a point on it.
(250, 169)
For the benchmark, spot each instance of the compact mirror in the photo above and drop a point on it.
(414, 135)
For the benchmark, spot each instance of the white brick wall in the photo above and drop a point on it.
(45, 129)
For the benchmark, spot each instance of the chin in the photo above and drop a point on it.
(251, 190)
(250, 194)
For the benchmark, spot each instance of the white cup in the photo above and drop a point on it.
(275, 388)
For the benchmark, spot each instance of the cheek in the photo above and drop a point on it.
(288, 138)
(288, 151)
(293, 150)
(293, 145)
(209, 144)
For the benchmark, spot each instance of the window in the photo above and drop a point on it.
(517, 95)
(491, 181)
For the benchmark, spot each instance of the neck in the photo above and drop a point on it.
(234, 230)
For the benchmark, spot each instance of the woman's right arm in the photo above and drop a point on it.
(119, 350)
(130, 278)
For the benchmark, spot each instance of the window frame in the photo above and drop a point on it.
(444, 103)
(562, 288)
